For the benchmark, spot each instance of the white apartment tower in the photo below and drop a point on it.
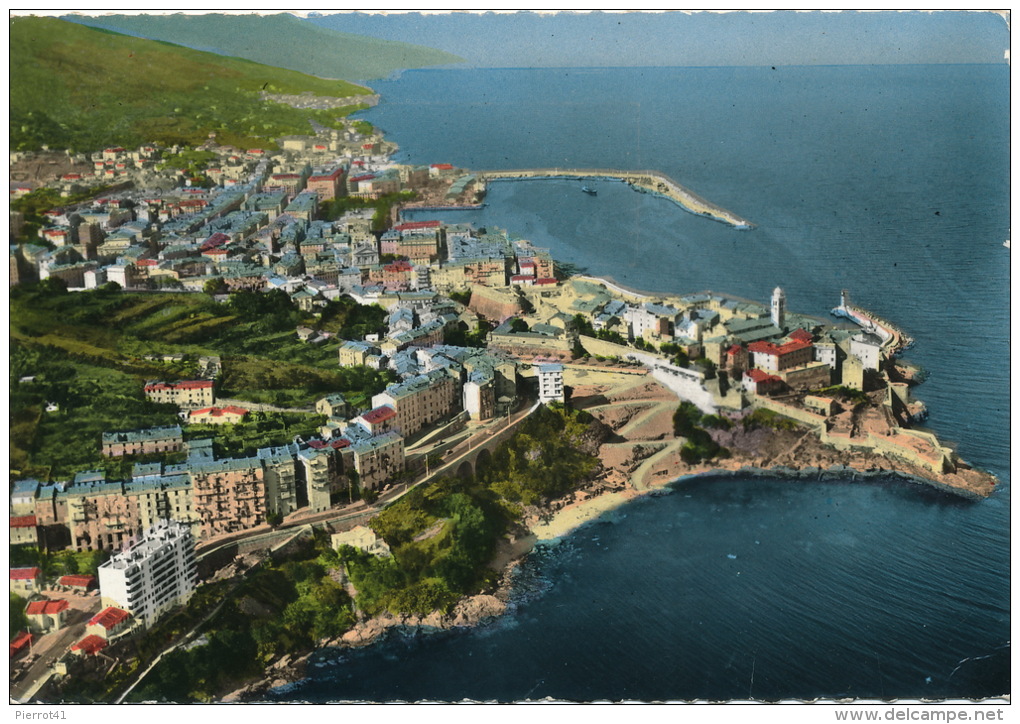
(550, 383)
(778, 307)
(153, 575)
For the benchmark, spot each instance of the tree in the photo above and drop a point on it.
(19, 621)
(52, 285)
(216, 285)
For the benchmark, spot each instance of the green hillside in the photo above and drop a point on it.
(91, 353)
(272, 39)
(83, 88)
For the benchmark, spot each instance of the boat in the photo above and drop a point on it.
(590, 190)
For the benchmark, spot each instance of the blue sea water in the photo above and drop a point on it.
(890, 181)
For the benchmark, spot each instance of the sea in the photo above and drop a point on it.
(891, 182)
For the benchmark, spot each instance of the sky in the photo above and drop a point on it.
(567, 39)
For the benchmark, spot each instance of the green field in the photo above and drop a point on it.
(83, 88)
(86, 353)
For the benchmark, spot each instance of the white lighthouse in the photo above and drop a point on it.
(778, 307)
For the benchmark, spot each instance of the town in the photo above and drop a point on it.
(482, 328)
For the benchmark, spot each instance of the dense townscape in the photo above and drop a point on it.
(482, 334)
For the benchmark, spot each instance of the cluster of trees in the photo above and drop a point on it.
(688, 422)
(283, 606)
(444, 535)
(350, 320)
(545, 459)
(58, 563)
(461, 336)
(383, 207)
(441, 536)
(259, 429)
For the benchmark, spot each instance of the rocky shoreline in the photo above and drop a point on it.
(469, 611)
(645, 462)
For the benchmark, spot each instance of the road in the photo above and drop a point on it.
(48, 649)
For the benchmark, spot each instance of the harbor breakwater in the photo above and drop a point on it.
(650, 182)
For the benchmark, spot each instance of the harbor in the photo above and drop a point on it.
(650, 182)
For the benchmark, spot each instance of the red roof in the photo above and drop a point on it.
(215, 239)
(379, 414)
(91, 644)
(109, 617)
(48, 608)
(22, 640)
(147, 262)
(365, 177)
(277, 176)
(762, 376)
(23, 521)
(735, 349)
(398, 266)
(332, 176)
(316, 444)
(442, 166)
(522, 278)
(185, 385)
(341, 443)
(801, 335)
(367, 145)
(777, 350)
(25, 574)
(411, 225)
(546, 280)
(77, 581)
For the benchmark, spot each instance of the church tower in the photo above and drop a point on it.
(778, 307)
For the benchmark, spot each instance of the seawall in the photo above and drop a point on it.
(651, 182)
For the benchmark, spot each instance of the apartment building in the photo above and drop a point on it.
(152, 576)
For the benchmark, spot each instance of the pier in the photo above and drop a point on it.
(893, 339)
(651, 182)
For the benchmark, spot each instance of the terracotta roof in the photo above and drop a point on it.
(23, 521)
(185, 385)
(91, 644)
(48, 608)
(762, 376)
(443, 166)
(801, 335)
(735, 349)
(109, 617)
(777, 350)
(76, 581)
(379, 414)
(20, 641)
(411, 225)
(25, 574)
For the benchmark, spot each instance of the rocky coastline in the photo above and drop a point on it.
(620, 479)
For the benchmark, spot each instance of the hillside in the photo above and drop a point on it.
(272, 39)
(90, 354)
(83, 88)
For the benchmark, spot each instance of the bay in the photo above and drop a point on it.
(889, 181)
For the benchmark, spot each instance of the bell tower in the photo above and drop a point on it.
(778, 307)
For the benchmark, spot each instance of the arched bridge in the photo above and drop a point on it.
(476, 454)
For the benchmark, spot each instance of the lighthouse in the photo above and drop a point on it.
(778, 307)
